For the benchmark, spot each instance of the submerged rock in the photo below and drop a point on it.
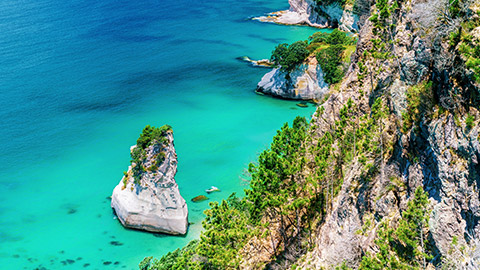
(304, 83)
(151, 200)
(199, 198)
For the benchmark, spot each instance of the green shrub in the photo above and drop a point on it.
(312, 47)
(161, 157)
(420, 101)
(319, 37)
(177, 259)
(152, 168)
(330, 60)
(338, 37)
(474, 65)
(454, 38)
(334, 38)
(469, 121)
(454, 8)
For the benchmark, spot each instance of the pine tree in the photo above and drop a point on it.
(405, 246)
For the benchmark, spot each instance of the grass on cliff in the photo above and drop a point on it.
(333, 53)
(468, 46)
(419, 102)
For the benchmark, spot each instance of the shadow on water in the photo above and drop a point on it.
(206, 41)
(271, 40)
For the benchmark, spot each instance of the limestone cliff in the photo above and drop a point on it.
(147, 197)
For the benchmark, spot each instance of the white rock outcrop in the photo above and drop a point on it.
(307, 12)
(304, 83)
(153, 203)
(257, 63)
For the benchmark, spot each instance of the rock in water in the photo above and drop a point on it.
(257, 63)
(147, 198)
(200, 198)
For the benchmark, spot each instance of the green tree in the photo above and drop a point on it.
(225, 230)
(411, 230)
(338, 37)
(405, 246)
(319, 37)
(289, 57)
(150, 134)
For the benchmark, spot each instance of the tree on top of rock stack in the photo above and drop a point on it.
(288, 57)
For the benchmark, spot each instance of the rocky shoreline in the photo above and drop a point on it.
(306, 12)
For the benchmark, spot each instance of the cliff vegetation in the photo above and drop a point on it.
(386, 173)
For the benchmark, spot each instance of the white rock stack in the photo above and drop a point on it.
(153, 202)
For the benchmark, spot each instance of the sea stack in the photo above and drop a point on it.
(147, 198)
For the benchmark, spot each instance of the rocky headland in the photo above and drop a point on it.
(304, 70)
(147, 198)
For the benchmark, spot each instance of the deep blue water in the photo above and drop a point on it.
(78, 82)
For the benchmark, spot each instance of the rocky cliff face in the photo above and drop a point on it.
(305, 83)
(308, 12)
(439, 153)
(152, 202)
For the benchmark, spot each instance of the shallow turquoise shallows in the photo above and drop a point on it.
(78, 82)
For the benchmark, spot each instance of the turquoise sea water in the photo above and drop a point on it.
(78, 82)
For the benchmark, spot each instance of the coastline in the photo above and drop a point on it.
(78, 145)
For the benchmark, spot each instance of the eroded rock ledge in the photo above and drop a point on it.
(304, 83)
(307, 12)
(147, 198)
